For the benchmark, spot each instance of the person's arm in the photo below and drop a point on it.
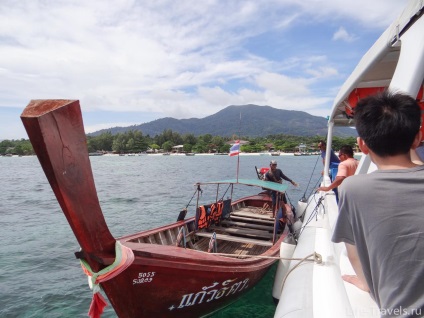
(338, 181)
(353, 256)
(283, 176)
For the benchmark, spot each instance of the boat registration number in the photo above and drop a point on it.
(145, 277)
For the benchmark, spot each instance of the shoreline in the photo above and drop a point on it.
(197, 154)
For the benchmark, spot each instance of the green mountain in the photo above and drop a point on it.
(256, 121)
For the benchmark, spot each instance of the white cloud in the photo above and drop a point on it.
(280, 84)
(178, 58)
(322, 72)
(342, 34)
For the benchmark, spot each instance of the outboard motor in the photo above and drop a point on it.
(261, 172)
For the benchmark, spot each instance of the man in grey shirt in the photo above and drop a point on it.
(381, 214)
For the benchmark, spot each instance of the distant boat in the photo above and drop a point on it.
(95, 154)
(275, 153)
(188, 268)
(301, 154)
(166, 154)
(189, 154)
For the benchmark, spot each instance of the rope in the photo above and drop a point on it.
(198, 189)
(316, 185)
(124, 257)
(313, 170)
(181, 237)
(222, 197)
(213, 245)
(314, 212)
(264, 210)
(317, 258)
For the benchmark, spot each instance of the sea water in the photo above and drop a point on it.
(39, 274)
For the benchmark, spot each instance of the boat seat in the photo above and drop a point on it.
(249, 219)
(267, 227)
(244, 232)
(231, 238)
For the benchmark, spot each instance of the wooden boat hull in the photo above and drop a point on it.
(166, 288)
(171, 281)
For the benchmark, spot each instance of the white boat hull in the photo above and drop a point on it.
(318, 290)
(396, 62)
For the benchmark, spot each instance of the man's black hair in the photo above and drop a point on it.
(347, 150)
(388, 122)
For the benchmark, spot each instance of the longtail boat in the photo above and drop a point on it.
(189, 268)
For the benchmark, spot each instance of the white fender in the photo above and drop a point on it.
(297, 226)
(286, 251)
(301, 207)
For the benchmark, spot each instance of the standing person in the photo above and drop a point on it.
(322, 145)
(276, 175)
(381, 214)
(347, 167)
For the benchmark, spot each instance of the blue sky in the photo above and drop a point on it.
(130, 62)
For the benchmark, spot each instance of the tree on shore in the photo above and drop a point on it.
(135, 142)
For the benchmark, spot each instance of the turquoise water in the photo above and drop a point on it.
(39, 275)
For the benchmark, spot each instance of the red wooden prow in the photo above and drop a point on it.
(55, 129)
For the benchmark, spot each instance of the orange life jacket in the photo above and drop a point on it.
(203, 218)
(216, 212)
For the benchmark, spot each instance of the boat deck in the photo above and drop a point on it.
(232, 247)
(248, 231)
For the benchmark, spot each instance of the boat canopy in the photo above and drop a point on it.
(394, 62)
(376, 70)
(274, 186)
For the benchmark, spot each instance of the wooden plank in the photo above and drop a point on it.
(269, 227)
(250, 214)
(235, 239)
(239, 218)
(244, 232)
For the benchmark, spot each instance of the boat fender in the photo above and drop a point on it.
(181, 237)
(213, 247)
(287, 248)
(297, 226)
(301, 207)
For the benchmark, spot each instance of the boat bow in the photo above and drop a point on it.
(55, 128)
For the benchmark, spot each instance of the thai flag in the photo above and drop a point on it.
(235, 149)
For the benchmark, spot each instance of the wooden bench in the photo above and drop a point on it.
(268, 227)
(235, 239)
(249, 214)
(248, 219)
(244, 232)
